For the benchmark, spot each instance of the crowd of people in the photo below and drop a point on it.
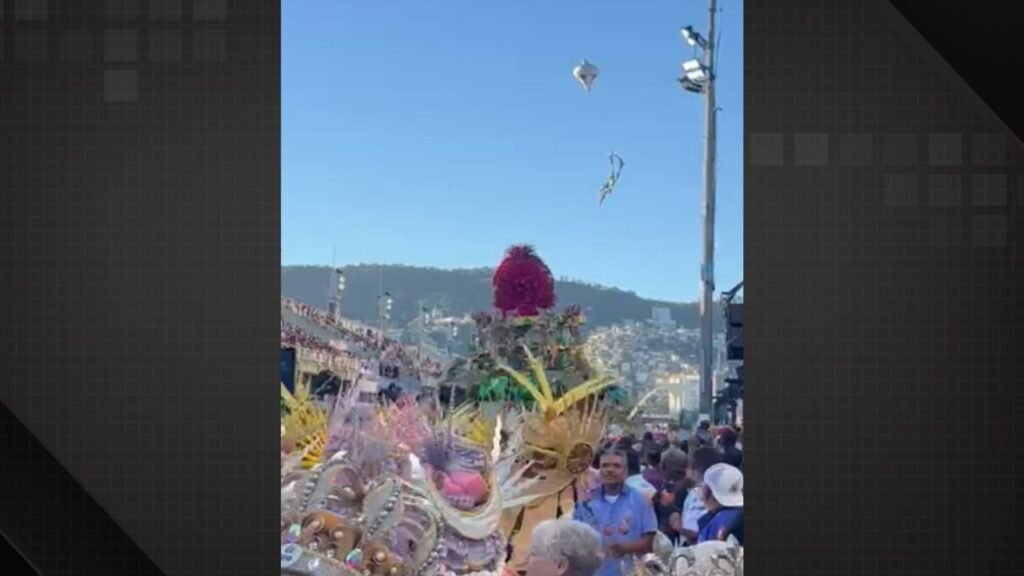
(684, 492)
(360, 343)
(318, 350)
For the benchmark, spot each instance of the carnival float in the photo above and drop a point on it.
(395, 491)
(413, 488)
(529, 359)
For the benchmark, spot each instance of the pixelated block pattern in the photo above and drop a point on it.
(810, 149)
(121, 45)
(766, 149)
(945, 230)
(164, 45)
(888, 304)
(120, 86)
(945, 190)
(945, 149)
(856, 149)
(900, 150)
(121, 10)
(31, 44)
(165, 10)
(122, 41)
(209, 45)
(75, 46)
(988, 149)
(131, 191)
(989, 230)
(989, 190)
(900, 190)
(209, 10)
(31, 10)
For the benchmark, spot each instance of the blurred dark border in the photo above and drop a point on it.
(15, 561)
(43, 505)
(883, 197)
(139, 275)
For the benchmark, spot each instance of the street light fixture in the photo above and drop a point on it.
(341, 288)
(384, 304)
(696, 77)
(335, 288)
(696, 72)
(452, 335)
(691, 86)
(692, 38)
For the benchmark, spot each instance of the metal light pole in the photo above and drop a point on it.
(452, 335)
(699, 77)
(385, 314)
(331, 302)
(423, 329)
(339, 291)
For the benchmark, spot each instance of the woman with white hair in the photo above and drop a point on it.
(564, 547)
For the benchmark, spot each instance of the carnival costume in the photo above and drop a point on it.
(713, 558)
(386, 492)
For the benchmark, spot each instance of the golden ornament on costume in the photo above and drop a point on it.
(561, 434)
(303, 426)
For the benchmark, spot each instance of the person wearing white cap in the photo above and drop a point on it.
(723, 499)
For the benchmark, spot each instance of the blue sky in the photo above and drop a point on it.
(438, 133)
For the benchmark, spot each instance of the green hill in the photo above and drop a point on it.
(458, 292)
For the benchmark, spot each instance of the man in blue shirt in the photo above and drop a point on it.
(621, 515)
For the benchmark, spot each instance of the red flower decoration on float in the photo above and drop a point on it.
(523, 284)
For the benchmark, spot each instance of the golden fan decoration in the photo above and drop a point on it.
(473, 426)
(564, 430)
(570, 437)
(542, 394)
(304, 425)
(562, 433)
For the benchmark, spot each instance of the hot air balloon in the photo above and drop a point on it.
(585, 73)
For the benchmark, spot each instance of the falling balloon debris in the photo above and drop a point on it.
(617, 164)
(585, 73)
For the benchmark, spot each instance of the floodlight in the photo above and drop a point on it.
(692, 37)
(696, 72)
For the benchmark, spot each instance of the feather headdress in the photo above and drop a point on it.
(541, 391)
(303, 426)
(337, 520)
